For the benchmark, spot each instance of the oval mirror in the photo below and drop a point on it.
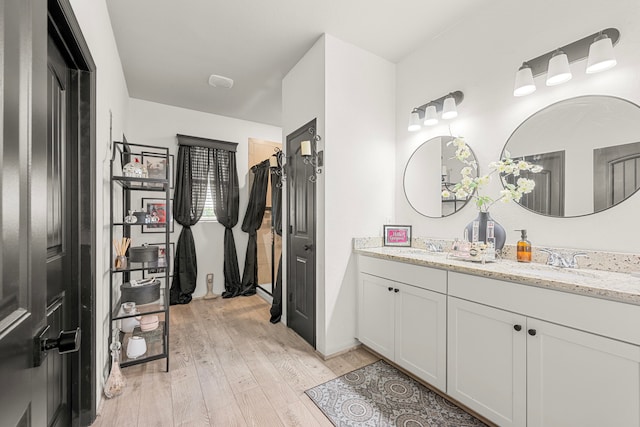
(589, 148)
(431, 169)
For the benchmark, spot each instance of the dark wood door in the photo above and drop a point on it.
(301, 239)
(63, 308)
(23, 210)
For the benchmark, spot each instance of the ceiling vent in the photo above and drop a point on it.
(220, 81)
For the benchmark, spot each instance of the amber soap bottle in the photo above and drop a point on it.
(523, 248)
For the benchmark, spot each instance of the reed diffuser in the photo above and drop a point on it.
(121, 249)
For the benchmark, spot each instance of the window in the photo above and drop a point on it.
(209, 212)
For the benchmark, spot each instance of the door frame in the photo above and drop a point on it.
(289, 156)
(65, 27)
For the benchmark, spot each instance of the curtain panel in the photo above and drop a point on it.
(202, 163)
(251, 223)
(276, 222)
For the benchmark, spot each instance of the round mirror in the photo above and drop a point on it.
(431, 169)
(589, 149)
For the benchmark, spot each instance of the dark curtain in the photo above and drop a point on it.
(276, 221)
(188, 204)
(251, 223)
(223, 181)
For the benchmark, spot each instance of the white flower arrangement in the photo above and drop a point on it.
(469, 186)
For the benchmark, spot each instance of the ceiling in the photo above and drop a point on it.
(169, 48)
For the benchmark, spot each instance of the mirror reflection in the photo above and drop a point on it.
(431, 169)
(589, 148)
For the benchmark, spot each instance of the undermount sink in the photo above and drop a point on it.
(550, 272)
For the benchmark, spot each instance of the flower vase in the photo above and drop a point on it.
(499, 234)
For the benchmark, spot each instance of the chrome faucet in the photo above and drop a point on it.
(556, 259)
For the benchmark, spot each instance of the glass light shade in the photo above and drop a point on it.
(414, 122)
(430, 116)
(558, 71)
(601, 55)
(524, 81)
(449, 110)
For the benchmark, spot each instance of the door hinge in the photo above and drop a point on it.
(290, 297)
(291, 229)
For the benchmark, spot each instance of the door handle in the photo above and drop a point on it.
(308, 247)
(67, 342)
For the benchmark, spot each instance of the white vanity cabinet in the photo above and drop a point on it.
(517, 370)
(402, 316)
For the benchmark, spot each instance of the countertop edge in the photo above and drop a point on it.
(477, 269)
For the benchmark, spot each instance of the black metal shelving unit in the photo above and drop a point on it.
(121, 189)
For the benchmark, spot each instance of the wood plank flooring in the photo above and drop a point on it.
(229, 367)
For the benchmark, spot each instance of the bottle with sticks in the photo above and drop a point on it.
(121, 249)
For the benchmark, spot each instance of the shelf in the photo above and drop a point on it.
(138, 224)
(146, 184)
(154, 307)
(156, 341)
(122, 193)
(140, 266)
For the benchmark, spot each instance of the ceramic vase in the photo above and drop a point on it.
(499, 234)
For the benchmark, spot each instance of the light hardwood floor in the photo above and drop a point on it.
(228, 367)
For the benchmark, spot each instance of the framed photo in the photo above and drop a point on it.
(162, 254)
(157, 208)
(396, 235)
(157, 166)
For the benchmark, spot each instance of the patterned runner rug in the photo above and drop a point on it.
(378, 395)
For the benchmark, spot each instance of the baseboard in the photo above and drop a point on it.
(338, 353)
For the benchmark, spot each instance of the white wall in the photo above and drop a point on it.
(112, 98)
(359, 151)
(480, 56)
(302, 101)
(351, 93)
(157, 124)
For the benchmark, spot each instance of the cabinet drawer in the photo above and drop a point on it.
(423, 277)
(608, 318)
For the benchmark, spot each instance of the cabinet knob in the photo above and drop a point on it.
(532, 332)
(396, 290)
(517, 327)
(390, 288)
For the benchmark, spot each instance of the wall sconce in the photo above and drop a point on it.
(597, 47)
(310, 154)
(427, 114)
(276, 165)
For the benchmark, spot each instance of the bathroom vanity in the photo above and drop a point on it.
(520, 344)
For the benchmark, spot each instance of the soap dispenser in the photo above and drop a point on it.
(523, 248)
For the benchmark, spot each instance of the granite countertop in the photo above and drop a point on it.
(621, 287)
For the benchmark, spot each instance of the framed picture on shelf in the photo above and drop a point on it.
(397, 235)
(162, 255)
(157, 208)
(157, 166)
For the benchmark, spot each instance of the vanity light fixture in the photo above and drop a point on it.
(414, 121)
(601, 55)
(597, 47)
(427, 113)
(430, 115)
(559, 71)
(524, 81)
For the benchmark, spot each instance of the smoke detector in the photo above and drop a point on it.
(220, 81)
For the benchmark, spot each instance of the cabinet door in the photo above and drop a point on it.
(575, 378)
(376, 314)
(421, 333)
(486, 362)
